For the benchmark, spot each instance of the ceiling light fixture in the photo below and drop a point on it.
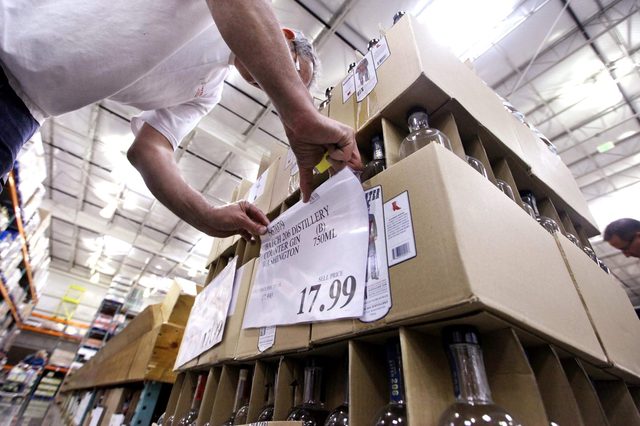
(607, 146)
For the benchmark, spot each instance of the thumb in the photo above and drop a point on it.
(306, 183)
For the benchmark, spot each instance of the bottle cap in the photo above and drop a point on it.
(460, 334)
(399, 14)
(414, 110)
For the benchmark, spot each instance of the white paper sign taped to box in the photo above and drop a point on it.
(208, 316)
(313, 259)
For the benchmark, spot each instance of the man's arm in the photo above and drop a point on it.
(151, 154)
(252, 32)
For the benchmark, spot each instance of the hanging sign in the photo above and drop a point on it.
(313, 259)
(208, 316)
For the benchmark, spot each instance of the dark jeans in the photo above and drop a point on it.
(16, 126)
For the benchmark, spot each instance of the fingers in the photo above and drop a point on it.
(306, 183)
(253, 221)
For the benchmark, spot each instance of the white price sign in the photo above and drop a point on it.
(208, 316)
(313, 259)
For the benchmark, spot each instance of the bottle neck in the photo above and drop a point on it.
(469, 377)
(530, 199)
(378, 148)
(241, 390)
(417, 121)
(270, 394)
(394, 365)
(197, 399)
(312, 385)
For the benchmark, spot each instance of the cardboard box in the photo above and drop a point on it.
(226, 349)
(476, 251)
(610, 311)
(421, 71)
(554, 174)
(559, 400)
(617, 403)
(289, 338)
(144, 350)
(584, 393)
(209, 395)
(427, 378)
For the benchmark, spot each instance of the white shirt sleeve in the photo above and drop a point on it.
(177, 121)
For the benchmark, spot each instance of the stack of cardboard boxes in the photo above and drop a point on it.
(560, 338)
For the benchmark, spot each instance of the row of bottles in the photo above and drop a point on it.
(421, 135)
(473, 401)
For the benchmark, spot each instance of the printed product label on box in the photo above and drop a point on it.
(365, 76)
(401, 242)
(377, 300)
(380, 52)
(267, 338)
(313, 259)
(348, 87)
(208, 316)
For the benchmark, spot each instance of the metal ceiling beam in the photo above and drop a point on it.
(519, 69)
(598, 52)
(88, 157)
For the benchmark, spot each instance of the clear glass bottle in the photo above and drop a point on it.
(574, 239)
(266, 413)
(549, 224)
(192, 415)
(530, 200)
(340, 415)
(395, 412)
(241, 401)
(420, 134)
(477, 165)
(312, 411)
(378, 163)
(505, 188)
(474, 404)
(398, 15)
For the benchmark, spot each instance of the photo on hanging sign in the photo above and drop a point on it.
(365, 77)
(401, 241)
(313, 259)
(380, 52)
(377, 302)
(348, 87)
(208, 316)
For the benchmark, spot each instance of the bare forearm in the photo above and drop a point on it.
(152, 156)
(163, 179)
(252, 32)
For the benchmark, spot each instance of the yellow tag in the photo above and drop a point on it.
(323, 165)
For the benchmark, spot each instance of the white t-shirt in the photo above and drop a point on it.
(166, 58)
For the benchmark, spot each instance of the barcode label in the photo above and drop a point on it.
(400, 251)
(401, 243)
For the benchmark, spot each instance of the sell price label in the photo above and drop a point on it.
(208, 317)
(313, 259)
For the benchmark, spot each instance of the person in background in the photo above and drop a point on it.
(170, 60)
(624, 234)
(37, 360)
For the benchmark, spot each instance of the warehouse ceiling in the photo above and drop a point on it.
(571, 66)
